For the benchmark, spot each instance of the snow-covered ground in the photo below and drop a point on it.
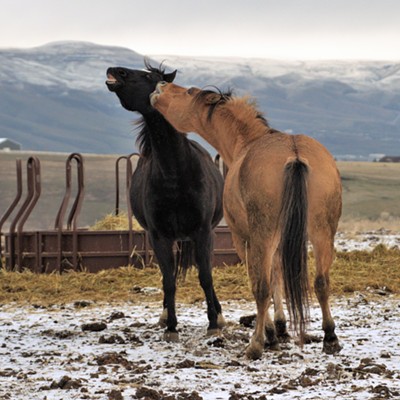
(47, 353)
(345, 241)
(116, 351)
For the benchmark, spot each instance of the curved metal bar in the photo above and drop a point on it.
(33, 175)
(128, 180)
(14, 203)
(34, 186)
(117, 189)
(75, 209)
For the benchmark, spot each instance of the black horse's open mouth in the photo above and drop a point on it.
(112, 83)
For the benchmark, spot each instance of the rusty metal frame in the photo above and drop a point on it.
(72, 248)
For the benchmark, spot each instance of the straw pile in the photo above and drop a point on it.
(118, 222)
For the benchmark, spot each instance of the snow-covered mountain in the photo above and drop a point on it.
(54, 97)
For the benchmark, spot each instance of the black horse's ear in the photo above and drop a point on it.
(213, 98)
(170, 77)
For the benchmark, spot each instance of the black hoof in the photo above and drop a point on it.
(275, 346)
(284, 338)
(272, 342)
(331, 347)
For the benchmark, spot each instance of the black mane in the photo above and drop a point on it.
(160, 70)
(224, 97)
(142, 141)
(143, 137)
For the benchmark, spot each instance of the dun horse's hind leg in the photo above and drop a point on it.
(279, 315)
(165, 256)
(259, 269)
(323, 245)
(202, 254)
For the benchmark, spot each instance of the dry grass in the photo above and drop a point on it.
(353, 271)
(118, 222)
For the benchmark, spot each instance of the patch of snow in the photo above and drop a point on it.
(366, 240)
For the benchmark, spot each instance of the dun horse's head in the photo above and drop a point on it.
(133, 87)
(183, 107)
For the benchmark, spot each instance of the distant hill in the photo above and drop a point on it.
(53, 98)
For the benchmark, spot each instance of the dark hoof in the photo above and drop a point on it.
(254, 351)
(171, 337)
(284, 338)
(332, 347)
(275, 346)
(272, 342)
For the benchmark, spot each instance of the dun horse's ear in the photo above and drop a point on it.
(170, 77)
(213, 98)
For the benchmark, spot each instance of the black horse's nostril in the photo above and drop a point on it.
(122, 73)
(162, 83)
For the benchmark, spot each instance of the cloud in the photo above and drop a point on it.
(284, 29)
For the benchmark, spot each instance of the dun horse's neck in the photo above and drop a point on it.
(165, 145)
(234, 126)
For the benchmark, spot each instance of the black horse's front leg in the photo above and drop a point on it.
(163, 249)
(203, 247)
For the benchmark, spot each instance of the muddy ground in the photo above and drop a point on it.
(107, 351)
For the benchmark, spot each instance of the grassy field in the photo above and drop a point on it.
(371, 191)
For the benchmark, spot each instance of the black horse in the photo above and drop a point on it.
(176, 192)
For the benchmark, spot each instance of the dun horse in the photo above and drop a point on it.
(280, 190)
(176, 192)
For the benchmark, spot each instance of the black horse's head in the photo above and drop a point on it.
(133, 87)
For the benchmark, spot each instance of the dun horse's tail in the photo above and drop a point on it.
(293, 245)
(184, 257)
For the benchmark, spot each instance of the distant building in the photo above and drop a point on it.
(390, 159)
(8, 144)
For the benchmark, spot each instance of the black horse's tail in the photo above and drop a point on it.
(184, 257)
(293, 244)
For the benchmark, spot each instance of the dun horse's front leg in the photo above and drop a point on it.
(163, 249)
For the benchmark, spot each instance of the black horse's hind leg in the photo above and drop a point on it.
(163, 249)
(202, 253)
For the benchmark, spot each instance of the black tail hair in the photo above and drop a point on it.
(293, 245)
(184, 257)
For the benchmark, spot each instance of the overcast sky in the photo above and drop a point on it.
(283, 29)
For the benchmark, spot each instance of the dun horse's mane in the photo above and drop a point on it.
(245, 105)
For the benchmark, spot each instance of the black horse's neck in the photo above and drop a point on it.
(160, 141)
